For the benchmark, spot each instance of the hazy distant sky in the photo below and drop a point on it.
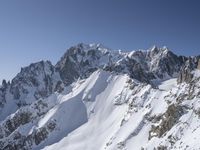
(32, 30)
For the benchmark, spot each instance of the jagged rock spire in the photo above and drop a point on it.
(198, 66)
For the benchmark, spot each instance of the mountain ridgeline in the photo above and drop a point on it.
(81, 60)
(37, 88)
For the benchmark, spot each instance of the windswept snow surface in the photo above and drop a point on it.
(111, 123)
(118, 116)
(104, 118)
(168, 84)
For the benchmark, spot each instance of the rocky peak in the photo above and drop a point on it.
(38, 78)
(29, 75)
(37, 68)
(4, 84)
(152, 52)
(162, 62)
(151, 64)
(156, 51)
(81, 60)
(82, 48)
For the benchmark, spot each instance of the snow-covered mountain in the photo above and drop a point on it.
(95, 98)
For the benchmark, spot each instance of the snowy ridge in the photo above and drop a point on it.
(117, 100)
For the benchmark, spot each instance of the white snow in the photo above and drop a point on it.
(106, 117)
(196, 73)
(112, 126)
(168, 84)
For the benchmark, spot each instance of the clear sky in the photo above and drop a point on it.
(32, 30)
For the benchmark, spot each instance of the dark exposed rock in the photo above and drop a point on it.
(20, 118)
(66, 75)
(17, 141)
(137, 72)
(161, 147)
(166, 63)
(4, 84)
(190, 64)
(185, 75)
(40, 135)
(168, 119)
(156, 63)
(198, 66)
(79, 62)
(3, 90)
(59, 87)
(181, 97)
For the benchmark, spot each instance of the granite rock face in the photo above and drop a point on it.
(144, 66)
(185, 74)
(81, 60)
(3, 90)
(168, 120)
(198, 67)
(37, 80)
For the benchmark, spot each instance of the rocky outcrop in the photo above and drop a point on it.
(18, 141)
(137, 71)
(3, 90)
(12, 137)
(21, 117)
(168, 119)
(198, 66)
(185, 75)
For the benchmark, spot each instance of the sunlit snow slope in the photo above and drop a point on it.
(121, 115)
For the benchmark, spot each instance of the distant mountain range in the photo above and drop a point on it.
(95, 98)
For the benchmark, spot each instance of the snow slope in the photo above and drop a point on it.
(114, 126)
(103, 116)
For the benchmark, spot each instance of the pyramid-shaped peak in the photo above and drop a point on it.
(154, 48)
(159, 50)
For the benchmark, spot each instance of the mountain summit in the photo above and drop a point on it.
(96, 98)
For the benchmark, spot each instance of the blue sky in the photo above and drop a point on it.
(32, 30)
